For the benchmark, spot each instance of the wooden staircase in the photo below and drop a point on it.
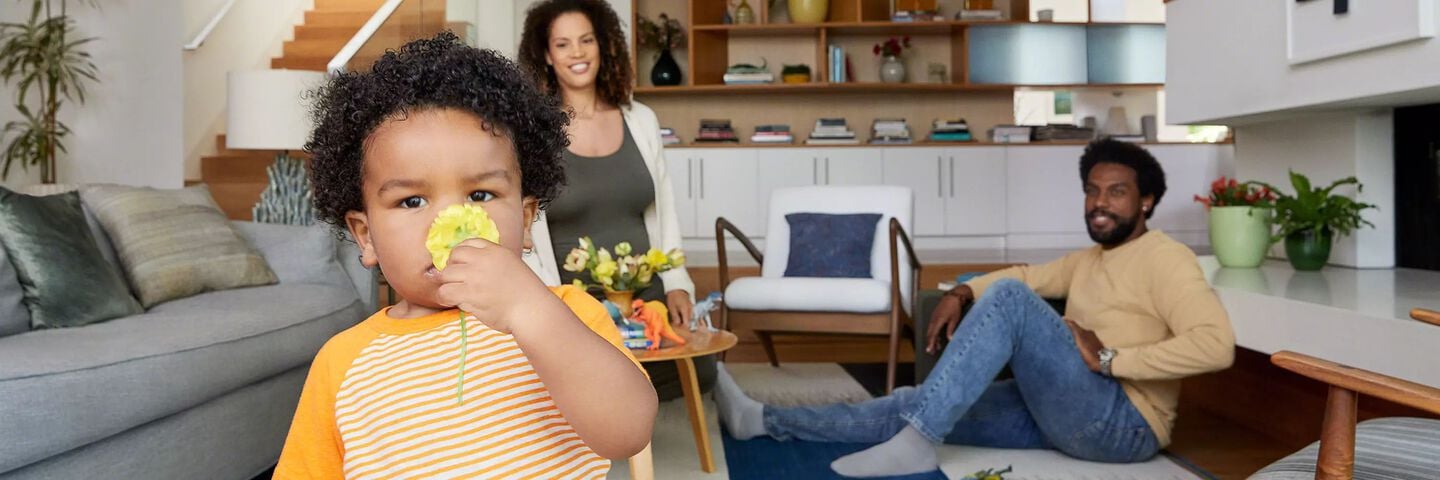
(237, 177)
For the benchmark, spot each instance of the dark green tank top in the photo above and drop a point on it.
(605, 198)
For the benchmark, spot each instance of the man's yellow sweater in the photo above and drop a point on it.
(1148, 300)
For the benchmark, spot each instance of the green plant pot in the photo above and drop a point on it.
(1240, 235)
(1309, 250)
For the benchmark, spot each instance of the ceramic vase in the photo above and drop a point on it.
(1240, 235)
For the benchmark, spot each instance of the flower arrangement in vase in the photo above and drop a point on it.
(1239, 221)
(622, 274)
(892, 70)
(665, 35)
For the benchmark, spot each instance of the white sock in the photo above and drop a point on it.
(906, 453)
(743, 416)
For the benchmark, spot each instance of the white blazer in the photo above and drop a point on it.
(661, 223)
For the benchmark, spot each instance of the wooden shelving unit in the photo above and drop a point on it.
(870, 87)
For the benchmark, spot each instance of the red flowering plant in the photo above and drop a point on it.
(893, 46)
(1229, 192)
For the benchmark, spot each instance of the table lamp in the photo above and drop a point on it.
(268, 111)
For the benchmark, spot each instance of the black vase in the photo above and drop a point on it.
(666, 72)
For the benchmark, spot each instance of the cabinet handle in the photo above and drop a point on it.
(952, 177)
(690, 178)
(814, 171)
(827, 170)
(939, 177)
(702, 178)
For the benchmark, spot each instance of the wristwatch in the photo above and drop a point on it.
(1107, 355)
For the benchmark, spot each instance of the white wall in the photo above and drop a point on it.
(247, 38)
(1228, 63)
(129, 130)
(1325, 149)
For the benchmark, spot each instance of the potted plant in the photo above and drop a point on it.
(892, 70)
(1239, 221)
(795, 73)
(664, 36)
(622, 274)
(1311, 218)
(47, 63)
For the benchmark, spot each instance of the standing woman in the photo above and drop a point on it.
(618, 188)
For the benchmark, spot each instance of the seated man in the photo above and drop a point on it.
(1099, 384)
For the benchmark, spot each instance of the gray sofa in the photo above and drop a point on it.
(201, 387)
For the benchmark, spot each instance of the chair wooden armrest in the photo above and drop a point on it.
(1337, 432)
(1428, 316)
(897, 237)
(721, 227)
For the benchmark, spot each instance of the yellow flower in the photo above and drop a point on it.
(605, 271)
(456, 224)
(643, 278)
(586, 244)
(677, 258)
(656, 259)
(578, 284)
(623, 249)
(604, 256)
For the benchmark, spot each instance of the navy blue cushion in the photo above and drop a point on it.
(831, 245)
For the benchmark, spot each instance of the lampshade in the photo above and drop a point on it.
(268, 110)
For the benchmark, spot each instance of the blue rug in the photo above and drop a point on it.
(765, 458)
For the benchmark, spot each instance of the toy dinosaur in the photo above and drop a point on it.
(703, 309)
(657, 323)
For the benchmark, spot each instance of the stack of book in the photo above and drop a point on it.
(980, 15)
(772, 134)
(716, 130)
(1011, 133)
(668, 136)
(1062, 133)
(916, 16)
(758, 78)
(951, 131)
(633, 336)
(890, 131)
(831, 131)
(839, 70)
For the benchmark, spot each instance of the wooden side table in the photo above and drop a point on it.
(697, 344)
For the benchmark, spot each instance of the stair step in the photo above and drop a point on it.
(371, 5)
(307, 32)
(314, 48)
(338, 18)
(307, 63)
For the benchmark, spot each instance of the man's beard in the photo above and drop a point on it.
(1117, 235)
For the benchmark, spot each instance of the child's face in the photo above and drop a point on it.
(417, 165)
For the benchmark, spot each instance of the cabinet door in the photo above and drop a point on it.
(682, 180)
(851, 166)
(782, 168)
(1043, 190)
(975, 202)
(727, 187)
(922, 170)
(1189, 169)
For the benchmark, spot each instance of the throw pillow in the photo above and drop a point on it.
(174, 243)
(65, 280)
(831, 245)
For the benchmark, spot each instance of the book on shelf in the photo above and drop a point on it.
(772, 139)
(832, 141)
(916, 16)
(668, 136)
(749, 78)
(889, 131)
(1056, 132)
(980, 15)
(891, 140)
(951, 137)
(716, 130)
(839, 66)
(772, 128)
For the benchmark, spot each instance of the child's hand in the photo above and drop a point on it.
(489, 282)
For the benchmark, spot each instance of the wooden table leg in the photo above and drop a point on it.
(642, 465)
(690, 384)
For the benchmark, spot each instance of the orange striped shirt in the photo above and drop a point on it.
(381, 402)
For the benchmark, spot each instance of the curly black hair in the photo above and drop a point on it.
(435, 73)
(613, 81)
(1148, 174)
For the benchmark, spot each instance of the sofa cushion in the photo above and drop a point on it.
(14, 317)
(65, 388)
(800, 294)
(65, 279)
(830, 245)
(296, 254)
(174, 243)
(1385, 448)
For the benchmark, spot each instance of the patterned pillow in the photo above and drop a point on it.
(174, 243)
(831, 245)
(64, 280)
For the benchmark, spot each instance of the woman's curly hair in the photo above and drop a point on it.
(613, 80)
(435, 73)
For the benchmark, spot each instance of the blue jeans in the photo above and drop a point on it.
(1054, 401)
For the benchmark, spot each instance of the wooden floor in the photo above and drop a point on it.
(1228, 450)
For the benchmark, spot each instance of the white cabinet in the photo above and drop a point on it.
(922, 169)
(850, 166)
(1189, 169)
(975, 202)
(1043, 190)
(683, 183)
(958, 190)
(726, 186)
(800, 167)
